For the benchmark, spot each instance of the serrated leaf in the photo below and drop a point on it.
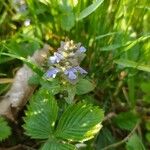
(87, 11)
(56, 145)
(84, 86)
(41, 115)
(79, 122)
(126, 120)
(5, 130)
(135, 143)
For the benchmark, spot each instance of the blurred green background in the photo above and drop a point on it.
(116, 34)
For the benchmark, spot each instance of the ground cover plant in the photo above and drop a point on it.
(74, 74)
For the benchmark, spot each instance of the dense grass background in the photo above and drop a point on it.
(116, 35)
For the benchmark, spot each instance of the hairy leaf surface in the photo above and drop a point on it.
(41, 115)
(79, 122)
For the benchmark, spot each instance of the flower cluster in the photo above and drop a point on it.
(66, 61)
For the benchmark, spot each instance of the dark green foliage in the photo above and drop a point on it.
(5, 130)
(126, 120)
(135, 142)
(104, 138)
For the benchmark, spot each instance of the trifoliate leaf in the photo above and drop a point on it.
(84, 86)
(5, 130)
(41, 115)
(79, 122)
(56, 145)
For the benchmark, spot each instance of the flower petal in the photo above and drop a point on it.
(82, 49)
(58, 56)
(82, 71)
(52, 72)
(72, 76)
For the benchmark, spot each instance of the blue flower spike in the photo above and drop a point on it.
(66, 61)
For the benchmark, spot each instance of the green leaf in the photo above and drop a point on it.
(131, 91)
(5, 59)
(133, 64)
(41, 115)
(28, 62)
(112, 47)
(105, 35)
(5, 130)
(23, 49)
(126, 120)
(127, 45)
(56, 145)
(145, 86)
(90, 9)
(148, 125)
(135, 143)
(67, 20)
(79, 122)
(84, 86)
(147, 136)
(53, 86)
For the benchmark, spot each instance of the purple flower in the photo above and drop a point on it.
(52, 72)
(82, 49)
(66, 61)
(71, 73)
(82, 71)
(56, 58)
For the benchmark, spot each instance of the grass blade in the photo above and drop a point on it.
(87, 11)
